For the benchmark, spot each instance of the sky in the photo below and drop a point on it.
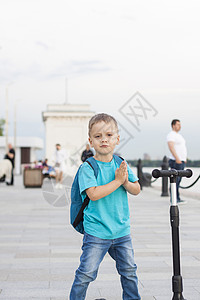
(113, 55)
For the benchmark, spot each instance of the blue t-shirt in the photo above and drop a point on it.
(108, 217)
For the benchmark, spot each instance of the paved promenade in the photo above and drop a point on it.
(39, 250)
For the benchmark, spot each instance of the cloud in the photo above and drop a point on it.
(13, 72)
(8, 71)
(36, 71)
(43, 45)
(79, 67)
(128, 18)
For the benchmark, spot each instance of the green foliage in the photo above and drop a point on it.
(2, 123)
(145, 163)
(193, 163)
(158, 163)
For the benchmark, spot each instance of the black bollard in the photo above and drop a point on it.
(165, 166)
(140, 173)
(144, 178)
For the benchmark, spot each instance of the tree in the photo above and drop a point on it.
(2, 122)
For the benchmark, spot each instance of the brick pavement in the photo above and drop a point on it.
(39, 251)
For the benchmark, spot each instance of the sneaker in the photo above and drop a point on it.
(181, 201)
(57, 185)
(60, 186)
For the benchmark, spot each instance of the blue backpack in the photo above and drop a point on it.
(77, 206)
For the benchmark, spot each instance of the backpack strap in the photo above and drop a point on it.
(93, 164)
(79, 216)
(118, 159)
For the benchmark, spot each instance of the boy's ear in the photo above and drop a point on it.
(118, 139)
(90, 141)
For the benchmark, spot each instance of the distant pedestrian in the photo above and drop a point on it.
(178, 152)
(5, 171)
(45, 163)
(86, 153)
(59, 159)
(11, 156)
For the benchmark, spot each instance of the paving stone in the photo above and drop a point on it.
(39, 250)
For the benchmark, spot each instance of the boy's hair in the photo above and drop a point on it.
(174, 122)
(101, 117)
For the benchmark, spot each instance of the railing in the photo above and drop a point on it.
(189, 186)
(145, 179)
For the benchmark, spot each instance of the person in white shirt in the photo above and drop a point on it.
(59, 158)
(178, 151)
(6, 170)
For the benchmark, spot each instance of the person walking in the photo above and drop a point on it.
(11, 156)
(86, 153)
(178, 152)
(5, 171)
(59, 158)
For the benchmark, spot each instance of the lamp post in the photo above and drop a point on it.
(66, 90)
(15, 123)
(6, 119)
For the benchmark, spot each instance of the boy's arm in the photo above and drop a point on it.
(132, 187)
(98, 192)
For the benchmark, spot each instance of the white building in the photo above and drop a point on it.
(67, 124)
(25, 151)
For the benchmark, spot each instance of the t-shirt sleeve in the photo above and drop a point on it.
(171, 137)
(131, 176)
(86, 177)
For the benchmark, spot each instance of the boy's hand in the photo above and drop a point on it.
(126, 180)
(121, 173)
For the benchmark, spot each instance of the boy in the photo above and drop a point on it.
(106, 218)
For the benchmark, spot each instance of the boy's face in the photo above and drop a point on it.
(104, 137)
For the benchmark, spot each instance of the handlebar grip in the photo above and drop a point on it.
(173, 172)
(161, 173)
(185, 173)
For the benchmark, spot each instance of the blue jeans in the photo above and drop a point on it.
(94, 250)
(174, 165)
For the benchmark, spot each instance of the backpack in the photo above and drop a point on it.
(77, 205)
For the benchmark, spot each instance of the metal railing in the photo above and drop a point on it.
(145, 179)
(189, 186)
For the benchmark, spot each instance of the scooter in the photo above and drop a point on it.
(177, 285)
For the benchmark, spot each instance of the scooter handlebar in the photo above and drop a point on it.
(173, 172)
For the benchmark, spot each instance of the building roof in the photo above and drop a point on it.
(67, 110)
